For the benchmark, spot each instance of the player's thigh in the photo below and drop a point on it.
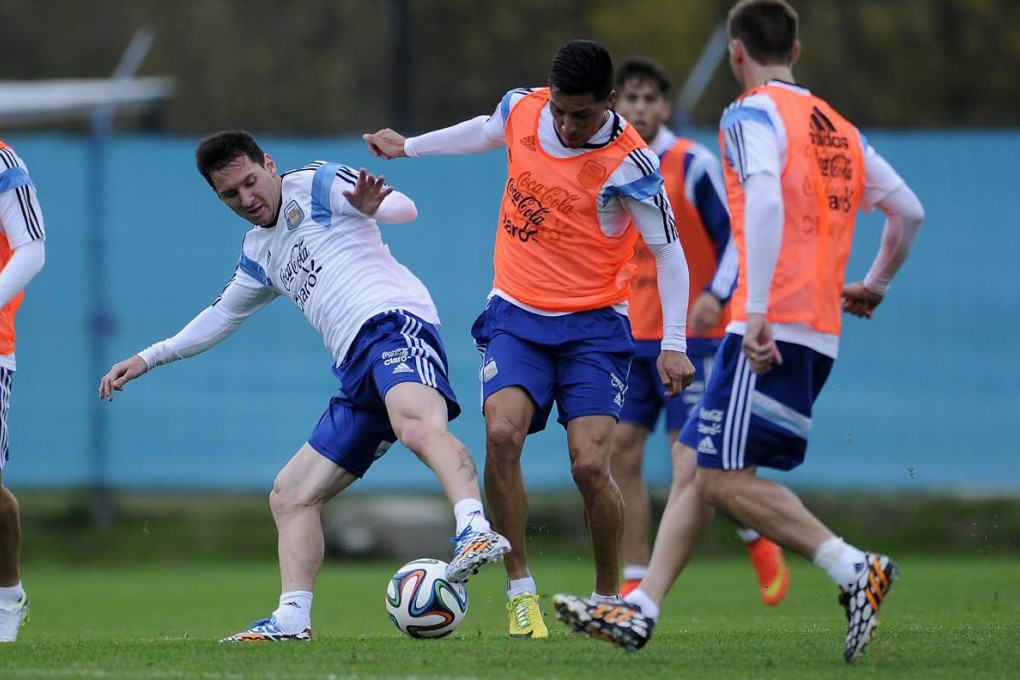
(309, 478)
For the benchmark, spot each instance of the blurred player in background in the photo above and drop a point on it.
(796, 174)
(694, 184)
(22, 255)
(315, 240)
(554, 328)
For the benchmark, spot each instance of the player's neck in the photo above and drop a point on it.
(757, 75)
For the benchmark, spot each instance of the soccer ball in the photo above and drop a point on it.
(422, 603)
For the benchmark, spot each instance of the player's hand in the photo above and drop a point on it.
(385, 144)
(705, 313)
(759, 346)
(860, 301)
(675, 371)
(368, 193)
(121, 374)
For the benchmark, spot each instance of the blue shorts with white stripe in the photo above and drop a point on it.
(391, 348)
(747, 420)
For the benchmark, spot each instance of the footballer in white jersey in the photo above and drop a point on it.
(315, 240)
(329, 258)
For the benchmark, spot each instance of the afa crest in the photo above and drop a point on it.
(294, 215)
(592, 175)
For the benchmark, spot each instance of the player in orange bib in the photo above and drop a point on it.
(796, 174)
(694, 184)
(22, 255)
(555, 328)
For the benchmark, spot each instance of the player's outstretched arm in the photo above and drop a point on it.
(119, 375)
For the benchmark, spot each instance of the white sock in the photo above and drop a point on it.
(640, 598)
(748, 535)
(11, 594)
(634, 571)
(469, 512)
(606, 599)
(519, 586)
(843, 562)
(295, 611)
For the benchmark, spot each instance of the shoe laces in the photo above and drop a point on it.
(520, 607)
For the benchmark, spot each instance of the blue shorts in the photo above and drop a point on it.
(579, 361)
(646, 395)
(391, 348)
(747, 420)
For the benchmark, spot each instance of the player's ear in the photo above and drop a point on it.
(795, 52)
(270, 164)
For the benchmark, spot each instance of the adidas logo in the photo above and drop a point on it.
(706, 446)
(402, 368)
(292, 604)
(528, 142)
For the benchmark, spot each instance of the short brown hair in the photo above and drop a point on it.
(219, 150)
(643, 69)
(768, 29)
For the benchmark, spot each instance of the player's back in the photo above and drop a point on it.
(822, 182)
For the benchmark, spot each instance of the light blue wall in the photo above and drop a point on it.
(924, 396)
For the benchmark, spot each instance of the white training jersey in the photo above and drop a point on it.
(329, 259)
(322, 254)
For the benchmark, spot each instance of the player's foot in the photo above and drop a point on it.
(773, 576)
(474, 548)
(629, 585)
(267, 630)
(621, 624)
(526, 617)
(12, 618)
(862, 600)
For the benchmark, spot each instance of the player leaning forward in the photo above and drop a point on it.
(316, 241)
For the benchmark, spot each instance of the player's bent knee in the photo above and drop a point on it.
(589, 472)
(420, 436)
(504, 435)
(713, 486)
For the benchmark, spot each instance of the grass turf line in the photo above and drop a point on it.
(947, 618)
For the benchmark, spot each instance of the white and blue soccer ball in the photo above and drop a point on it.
(422, 603)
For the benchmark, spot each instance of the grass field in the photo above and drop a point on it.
(947, 618)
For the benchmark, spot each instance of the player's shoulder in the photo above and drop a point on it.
(9, 158)
(514, 97)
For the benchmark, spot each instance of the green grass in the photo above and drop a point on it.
(947, 618)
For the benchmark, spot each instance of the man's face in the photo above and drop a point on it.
(643, 105)
(250, 190)
(577, 117)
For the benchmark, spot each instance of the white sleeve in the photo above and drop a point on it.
(20, 215)
(904, 213)
(242, 297)
(751, 141)
(482, 133)
(754, 148)
(763, 225)
(637, 183)
(674, 290)
(880, 179)
(24, 264)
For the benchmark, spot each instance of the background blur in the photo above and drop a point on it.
(922, 399)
